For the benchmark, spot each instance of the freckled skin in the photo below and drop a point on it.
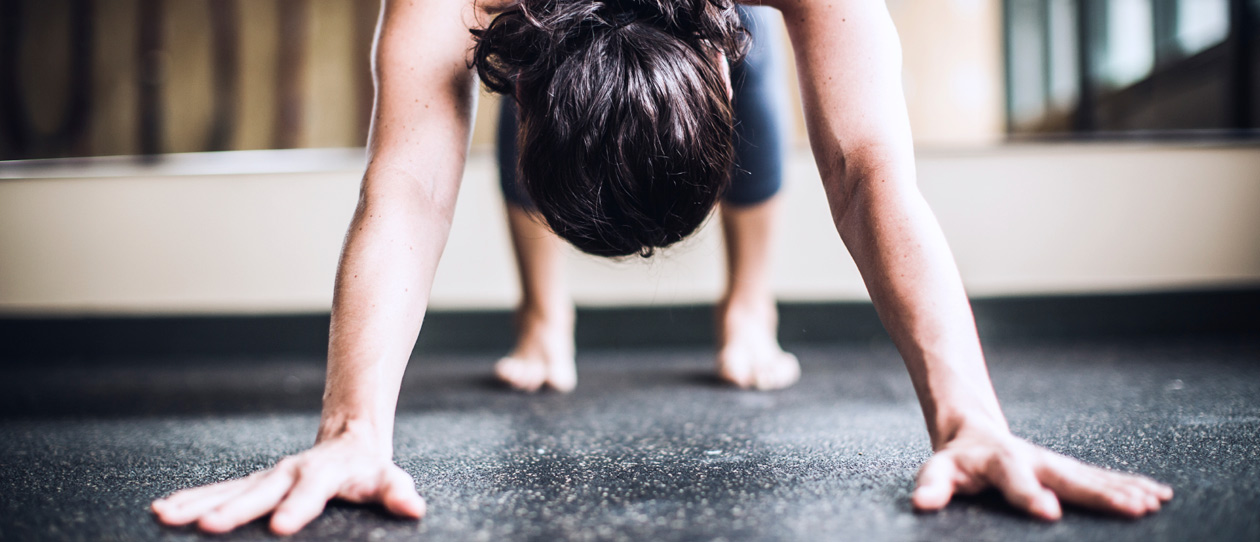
(860, 136)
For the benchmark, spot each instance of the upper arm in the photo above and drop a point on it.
(849, 60)
(425, 94)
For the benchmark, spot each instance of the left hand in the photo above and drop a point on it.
(1031, 478)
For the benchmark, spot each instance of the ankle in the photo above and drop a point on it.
(551, 314)
(739, 309)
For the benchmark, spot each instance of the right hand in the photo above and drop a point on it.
(296, 490)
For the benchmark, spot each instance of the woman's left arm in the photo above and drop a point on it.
(849, 60)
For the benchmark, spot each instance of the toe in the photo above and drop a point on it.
(735, 370)
(778, 372)
(562, 379)
(519, 374)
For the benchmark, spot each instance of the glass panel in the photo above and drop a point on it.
(1026, 61)
(1129, 44)
(1064, 78)
(1201, 24)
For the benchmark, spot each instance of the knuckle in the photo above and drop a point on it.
(403, 477)
(1005, 455)
(1001, 461)
(1118, 500)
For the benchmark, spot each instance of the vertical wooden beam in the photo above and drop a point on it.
(290, 73)
(150, 75)
(1242, 29)
(225, 44)
(12, 111)
(71, 137)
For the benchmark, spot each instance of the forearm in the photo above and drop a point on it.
(914, 283)
(382, 289)
(417, 146)
(849, 61)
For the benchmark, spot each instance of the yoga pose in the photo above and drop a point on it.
(626, 146)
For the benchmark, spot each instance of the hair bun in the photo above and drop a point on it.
(533, 35)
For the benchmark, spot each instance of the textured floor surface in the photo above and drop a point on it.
(648, 448)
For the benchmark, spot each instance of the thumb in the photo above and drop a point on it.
(399, 495)
(935, 483)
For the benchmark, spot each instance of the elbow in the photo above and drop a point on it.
(404, 191)
(859, 174)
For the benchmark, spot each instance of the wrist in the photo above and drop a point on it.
(372, 436)
(949, 423)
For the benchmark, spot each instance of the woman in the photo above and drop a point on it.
(626, 147)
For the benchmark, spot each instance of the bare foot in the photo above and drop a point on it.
(749, 355)
(543, 356)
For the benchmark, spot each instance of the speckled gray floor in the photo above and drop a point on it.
(648, 448)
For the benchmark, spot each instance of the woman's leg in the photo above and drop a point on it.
(543, 355)
(749, 355)
(747, 324)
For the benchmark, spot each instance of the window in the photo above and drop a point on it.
(1175, 67)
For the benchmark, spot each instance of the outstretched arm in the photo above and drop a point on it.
(416, 151)
(849, 60)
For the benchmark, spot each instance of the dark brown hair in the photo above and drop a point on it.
(626, 138)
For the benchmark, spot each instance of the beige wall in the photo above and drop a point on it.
(192, 237)
(260, 231)
(953, 74)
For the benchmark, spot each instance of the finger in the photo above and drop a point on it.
(305, 502)
(1081, 485)
(1125, 494)
(1018, 483)
(399, 495)
(935, 483)
(193, 504)
(181, 497)
(251, 504)
(1160, 491)
(1141, 500)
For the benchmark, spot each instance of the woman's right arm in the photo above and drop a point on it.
(425, 97)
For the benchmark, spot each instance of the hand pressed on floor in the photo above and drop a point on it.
(1031, 478)
(296, 490)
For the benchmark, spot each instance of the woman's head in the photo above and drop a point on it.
(626, 138)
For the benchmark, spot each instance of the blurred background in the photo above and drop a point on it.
(201, 158)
